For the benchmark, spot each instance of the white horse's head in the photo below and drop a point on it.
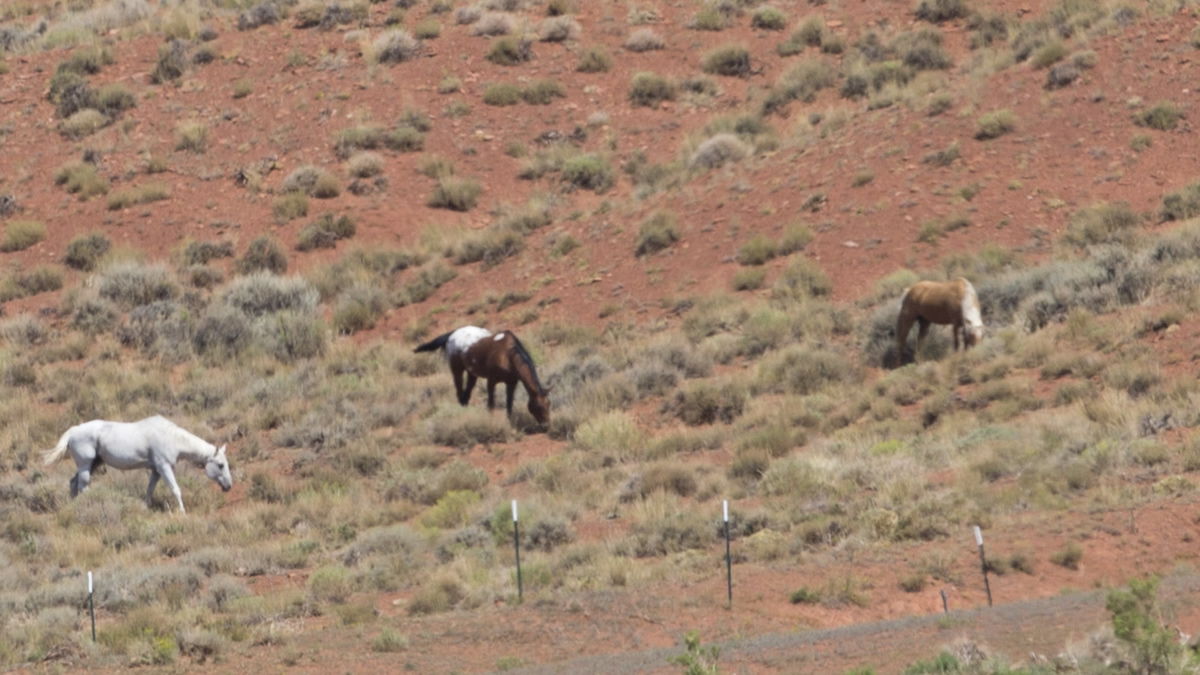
(217, 468)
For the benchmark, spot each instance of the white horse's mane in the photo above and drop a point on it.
(192, 446)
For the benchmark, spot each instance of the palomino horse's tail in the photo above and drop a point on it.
(436, 343)
(52, 456)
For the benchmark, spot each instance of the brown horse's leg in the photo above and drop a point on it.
(957, 329)
(457, 372)
(491, 385)
(465, 397)
(510, 388)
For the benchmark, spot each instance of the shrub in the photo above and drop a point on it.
(801, 82)
(795, 238)
(395, 46)
(262, 14)
(83, 123)
(357, 138)
(289, 206)
(501, 94)
(37, 279)
(1049, 54)
(172, 62)
(114, 99)
(650, 89)
(70, 93)
(656, 233)
(21, 234)
(389, 641)
(590, 172)
(757, 251)
(509, 51)
(542, 92)
(802, 279)
(922, 49)
(768, 18)
(85, 250)
(436, 167)
(709, 18)
(133, 284)
(358, 310)
(263, 253)
(718, 150)
(731, 60)
(558, 29)
(81, 178)
(191, 137)
(938, 11)
(144, 194)
(365, 165)
(644, 40)
(995, 124)
(1181, 205)
(492, 24)
(330, 584)
(456, 194)
(594, 59)
(944, 157)
(1068, 557)
(806, 596)
(749, 279)
(242, 87)
(325, 232)
(1164, 116)
(1101, 223)
(427, 29)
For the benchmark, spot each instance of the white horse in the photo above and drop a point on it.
(154, 443)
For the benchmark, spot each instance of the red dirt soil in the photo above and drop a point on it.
(1071, 148)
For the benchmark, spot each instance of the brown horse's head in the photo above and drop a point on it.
(539, 406)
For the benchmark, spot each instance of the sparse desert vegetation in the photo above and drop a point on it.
(699, 216)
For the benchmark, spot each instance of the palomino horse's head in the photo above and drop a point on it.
(972, 333)
(539, 406)
(217, 468)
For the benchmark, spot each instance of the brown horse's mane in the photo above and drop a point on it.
(528, 361)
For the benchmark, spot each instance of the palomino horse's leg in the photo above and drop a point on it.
(150, 490)
(922, 331)
(168, 475)
(902, 328)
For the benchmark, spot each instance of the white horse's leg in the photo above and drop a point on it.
(81, 481)
(168, 474)
(150, 490)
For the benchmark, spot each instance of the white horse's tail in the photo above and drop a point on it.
(52, 456)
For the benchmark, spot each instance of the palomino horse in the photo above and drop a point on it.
(154, 443)
(496, 358)
(941, 302)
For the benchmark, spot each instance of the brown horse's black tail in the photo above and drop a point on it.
(435, 344)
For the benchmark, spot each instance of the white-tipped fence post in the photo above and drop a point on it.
(983, 564)
(517, 548)
(728, 559)
(91, 605)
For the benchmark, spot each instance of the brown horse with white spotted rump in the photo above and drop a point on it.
(478, 353)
